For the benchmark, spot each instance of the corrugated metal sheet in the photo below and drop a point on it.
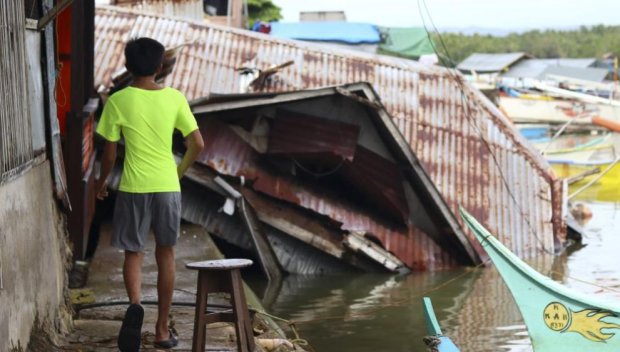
(228, 154)
(532, 68)
(469, 148)
(294, 258)
(15, 130)
(481, 62)
(293, 133)
(588, 74)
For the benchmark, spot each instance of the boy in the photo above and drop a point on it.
(146, 115)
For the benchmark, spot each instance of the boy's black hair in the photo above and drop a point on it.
(143, 56)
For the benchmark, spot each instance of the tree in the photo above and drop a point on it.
(594, 41)
(263, 10)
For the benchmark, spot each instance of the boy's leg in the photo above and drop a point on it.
(166, 225)
(132, 275)
(165, 287)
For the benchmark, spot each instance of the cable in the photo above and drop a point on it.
(466, 106)
(319, 174)
(297, 340)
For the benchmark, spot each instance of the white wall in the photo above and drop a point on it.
(32, 258)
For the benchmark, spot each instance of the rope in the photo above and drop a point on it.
(586, 282)
(297, 340)
(556, 135)
(470, 119)
(594, 180)
(432, 342)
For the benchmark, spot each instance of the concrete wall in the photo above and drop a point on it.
(32, 259)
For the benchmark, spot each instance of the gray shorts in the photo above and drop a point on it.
(136, 214)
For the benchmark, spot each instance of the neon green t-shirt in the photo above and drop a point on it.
(147, 119)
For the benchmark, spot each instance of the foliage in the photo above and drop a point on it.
(594, 41)
(263, 10)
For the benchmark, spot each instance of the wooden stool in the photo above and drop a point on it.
(222, 276)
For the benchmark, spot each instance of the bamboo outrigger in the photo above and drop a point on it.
(557, 318)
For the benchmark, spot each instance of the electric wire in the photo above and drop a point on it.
(468, 114)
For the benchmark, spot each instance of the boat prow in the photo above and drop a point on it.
(557, 318)
(436, 341)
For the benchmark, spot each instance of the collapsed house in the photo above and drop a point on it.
(328, 175)
(455, 139)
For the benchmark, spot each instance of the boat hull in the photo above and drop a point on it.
(555, 111)
(557, 318)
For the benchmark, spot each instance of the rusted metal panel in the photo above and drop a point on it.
(380, 180)
(468, 147)
(300, 134)
(227, 153)
(294, 258)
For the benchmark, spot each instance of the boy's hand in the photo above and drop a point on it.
(102, 189)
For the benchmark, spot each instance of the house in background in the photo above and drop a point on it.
(484, 70)
(351, 35)
(528, 73)
(522, 71)
(322, 16)
(411, 43)
(232, 13)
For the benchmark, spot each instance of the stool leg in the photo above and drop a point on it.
(200, 326)
(243, 325)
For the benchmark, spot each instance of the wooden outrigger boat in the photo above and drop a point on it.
(557, 318)
(436, 341)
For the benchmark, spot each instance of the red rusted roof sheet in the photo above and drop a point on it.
(299, 134)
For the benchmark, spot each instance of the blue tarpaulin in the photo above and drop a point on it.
(343, 32)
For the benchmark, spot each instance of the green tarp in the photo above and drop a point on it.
(410, 42)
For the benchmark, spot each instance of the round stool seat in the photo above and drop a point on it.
(220, 264)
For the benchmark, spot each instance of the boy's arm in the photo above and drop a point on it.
(194, 147)
(107, 162)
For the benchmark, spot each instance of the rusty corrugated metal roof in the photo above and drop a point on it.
(468, 147)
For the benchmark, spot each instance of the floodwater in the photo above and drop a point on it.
(384, 313)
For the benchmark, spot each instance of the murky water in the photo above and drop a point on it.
(384, 313)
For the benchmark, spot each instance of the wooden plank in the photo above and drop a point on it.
(266, 256)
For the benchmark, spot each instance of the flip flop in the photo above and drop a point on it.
(170, 343)
(129, 337)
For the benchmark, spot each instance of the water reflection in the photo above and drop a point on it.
(384, 313)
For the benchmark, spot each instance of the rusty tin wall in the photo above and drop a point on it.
(469, 148)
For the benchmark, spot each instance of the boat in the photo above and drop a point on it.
(522, 110)
(435, 340)
(555, 105)
(585, 160)
(557, 318)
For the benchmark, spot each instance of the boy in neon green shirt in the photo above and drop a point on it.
(146, 114)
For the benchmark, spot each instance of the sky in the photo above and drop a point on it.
(495, 14)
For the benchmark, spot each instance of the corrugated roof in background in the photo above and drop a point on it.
(471, 151)
(481, 62)
(532, 68)
(586, 74)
